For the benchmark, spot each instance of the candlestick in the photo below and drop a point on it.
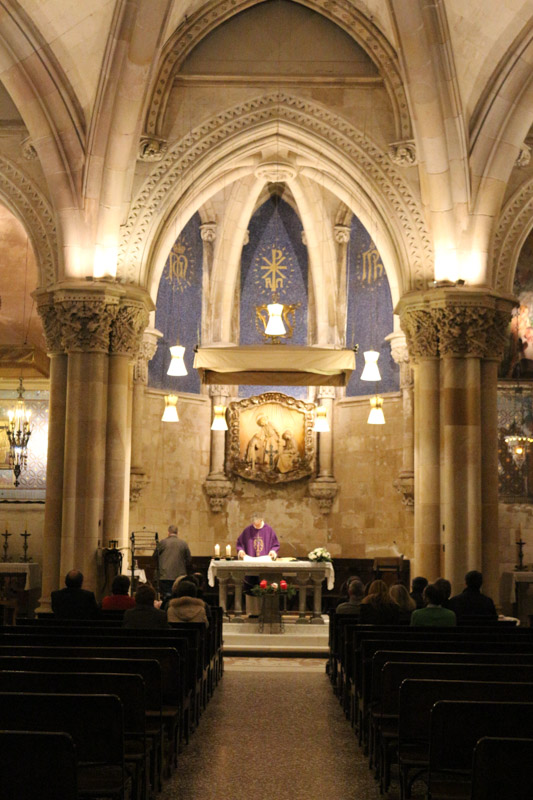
(5, 546)
(518, 534)
(520, 566)
(217, 551)
(228, 551)
(25, 536)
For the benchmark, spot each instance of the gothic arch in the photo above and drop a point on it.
(341, 13)
(514, 226)
(214, 153)
(30, 206)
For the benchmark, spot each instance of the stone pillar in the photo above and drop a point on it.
(138, 477)
(404, 483)
(217, 486)
(126, 331)
(342, 238)
(51, 576)
(459, 325)
(208, 232)
(325, 487)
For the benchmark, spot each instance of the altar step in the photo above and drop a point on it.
(306, 641)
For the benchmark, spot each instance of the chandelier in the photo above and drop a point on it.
(517, 440)
(18, 434)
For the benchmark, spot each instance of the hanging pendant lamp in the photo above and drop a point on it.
(177, 364)
(376, 415)
(219, 420)
(321, 424)
(170, 414)
(371, 370)
(275, 326)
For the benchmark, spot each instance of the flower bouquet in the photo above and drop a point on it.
(264, 588)
(319, 554)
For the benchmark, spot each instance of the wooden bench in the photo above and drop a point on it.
(502, 769)
(53, 772)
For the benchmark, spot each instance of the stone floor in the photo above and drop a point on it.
(272, 730)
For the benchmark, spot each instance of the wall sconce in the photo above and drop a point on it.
(321, 420)
(177, 364)
(371, 370)
(376, 416)
(219, 420)
(170, 414)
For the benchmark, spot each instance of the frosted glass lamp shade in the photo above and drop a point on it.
(321, 420)
(170, 414)
(177, 365)
(219, 420)
(275, 326)
(376, 416)
(371, 371)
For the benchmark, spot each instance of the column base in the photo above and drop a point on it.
(302, 621)
(237, 620)
(317, 621)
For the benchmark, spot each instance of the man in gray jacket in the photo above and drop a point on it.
(174, 558)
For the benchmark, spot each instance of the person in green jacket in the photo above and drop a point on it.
(433, 614)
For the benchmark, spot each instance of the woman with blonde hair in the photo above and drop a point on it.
(405, 602)
(378, 607)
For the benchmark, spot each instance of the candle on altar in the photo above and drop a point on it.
(518, 534)
(228, 551)
(217, 551)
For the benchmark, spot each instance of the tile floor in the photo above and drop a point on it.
(273, 729)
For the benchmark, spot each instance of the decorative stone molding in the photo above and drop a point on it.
(218, 389)
(324, 491)
(462, 330)
(405, 485)
(50, 321)
(152, 148)
(86, 321)
(145, 354)
(498, 334)
(127, 328)
(138, 483)
(28, 150)
(276, 172)
(400, 356)
(21, 195)
(420, 333)
(343, 13)
(342, 234)
(218, 489)
(208, 231)
(150, 205)
(524, 156)
(514, 226)
(326, 393)
(403, 154)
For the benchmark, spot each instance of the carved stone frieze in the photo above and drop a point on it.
(324, 491)
(421, 332)
(218, 489)
(127, 328)
(152, 148)
(403, 154)
(462, 330)
(299, 114)
(86, 321)
(405, 485)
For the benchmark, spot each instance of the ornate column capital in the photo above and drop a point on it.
(152, 148)
(85, 319)
(50, 320)
(324, 490)
(217, 488)
(127, 328)
(420, 332)
(208, 231)
(217, 389)
(145, 354)
(403, 153)
(400, 355)
(326, 393)
(342, 234)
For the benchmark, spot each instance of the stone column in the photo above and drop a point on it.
(138, 477)
(325, 487)
(208, 232)
(126, 331)
(404, 483)
(422, 341)
(342, 238)
(86, 319)
(51, 576)
(217, 486)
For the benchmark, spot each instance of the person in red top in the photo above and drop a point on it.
(119, 600)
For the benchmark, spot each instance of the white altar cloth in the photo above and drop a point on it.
(287, 568)
(31, 570)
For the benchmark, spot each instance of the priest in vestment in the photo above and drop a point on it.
(258, 539)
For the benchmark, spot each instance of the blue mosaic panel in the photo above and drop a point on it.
(274, 265)
(369, 315)
(179, 310)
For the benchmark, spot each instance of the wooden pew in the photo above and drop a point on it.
(53, 772)
(95, 723)
(502, 769)
(455, 729)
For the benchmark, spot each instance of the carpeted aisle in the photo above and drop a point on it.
(272, 734)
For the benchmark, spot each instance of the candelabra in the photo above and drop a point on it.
(18, 434)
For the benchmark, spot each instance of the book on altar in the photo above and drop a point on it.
(258, 559)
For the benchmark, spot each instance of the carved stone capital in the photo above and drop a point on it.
(85, 320)
(405, 485)
(342, 234)
(128, 327)
(218, 389)
(28, 149)
(324, 491)
(152, 148)
(420, 332)
(403, 154)
(51, 324)
(276, 172)
(524, 156)
(217, 488)
(208, 231)
(145, 354)
(326, 393)
(138, 483)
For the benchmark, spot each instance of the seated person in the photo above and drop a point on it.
(184, 605)
(378, 607)
(471, 602)
(356, 592)
(446, 589)
(119, 599)
(433, 614)
(418, 586)
(145, 614)
(405, 602)
(73, 602)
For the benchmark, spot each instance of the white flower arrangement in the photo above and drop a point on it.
(319, 554)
